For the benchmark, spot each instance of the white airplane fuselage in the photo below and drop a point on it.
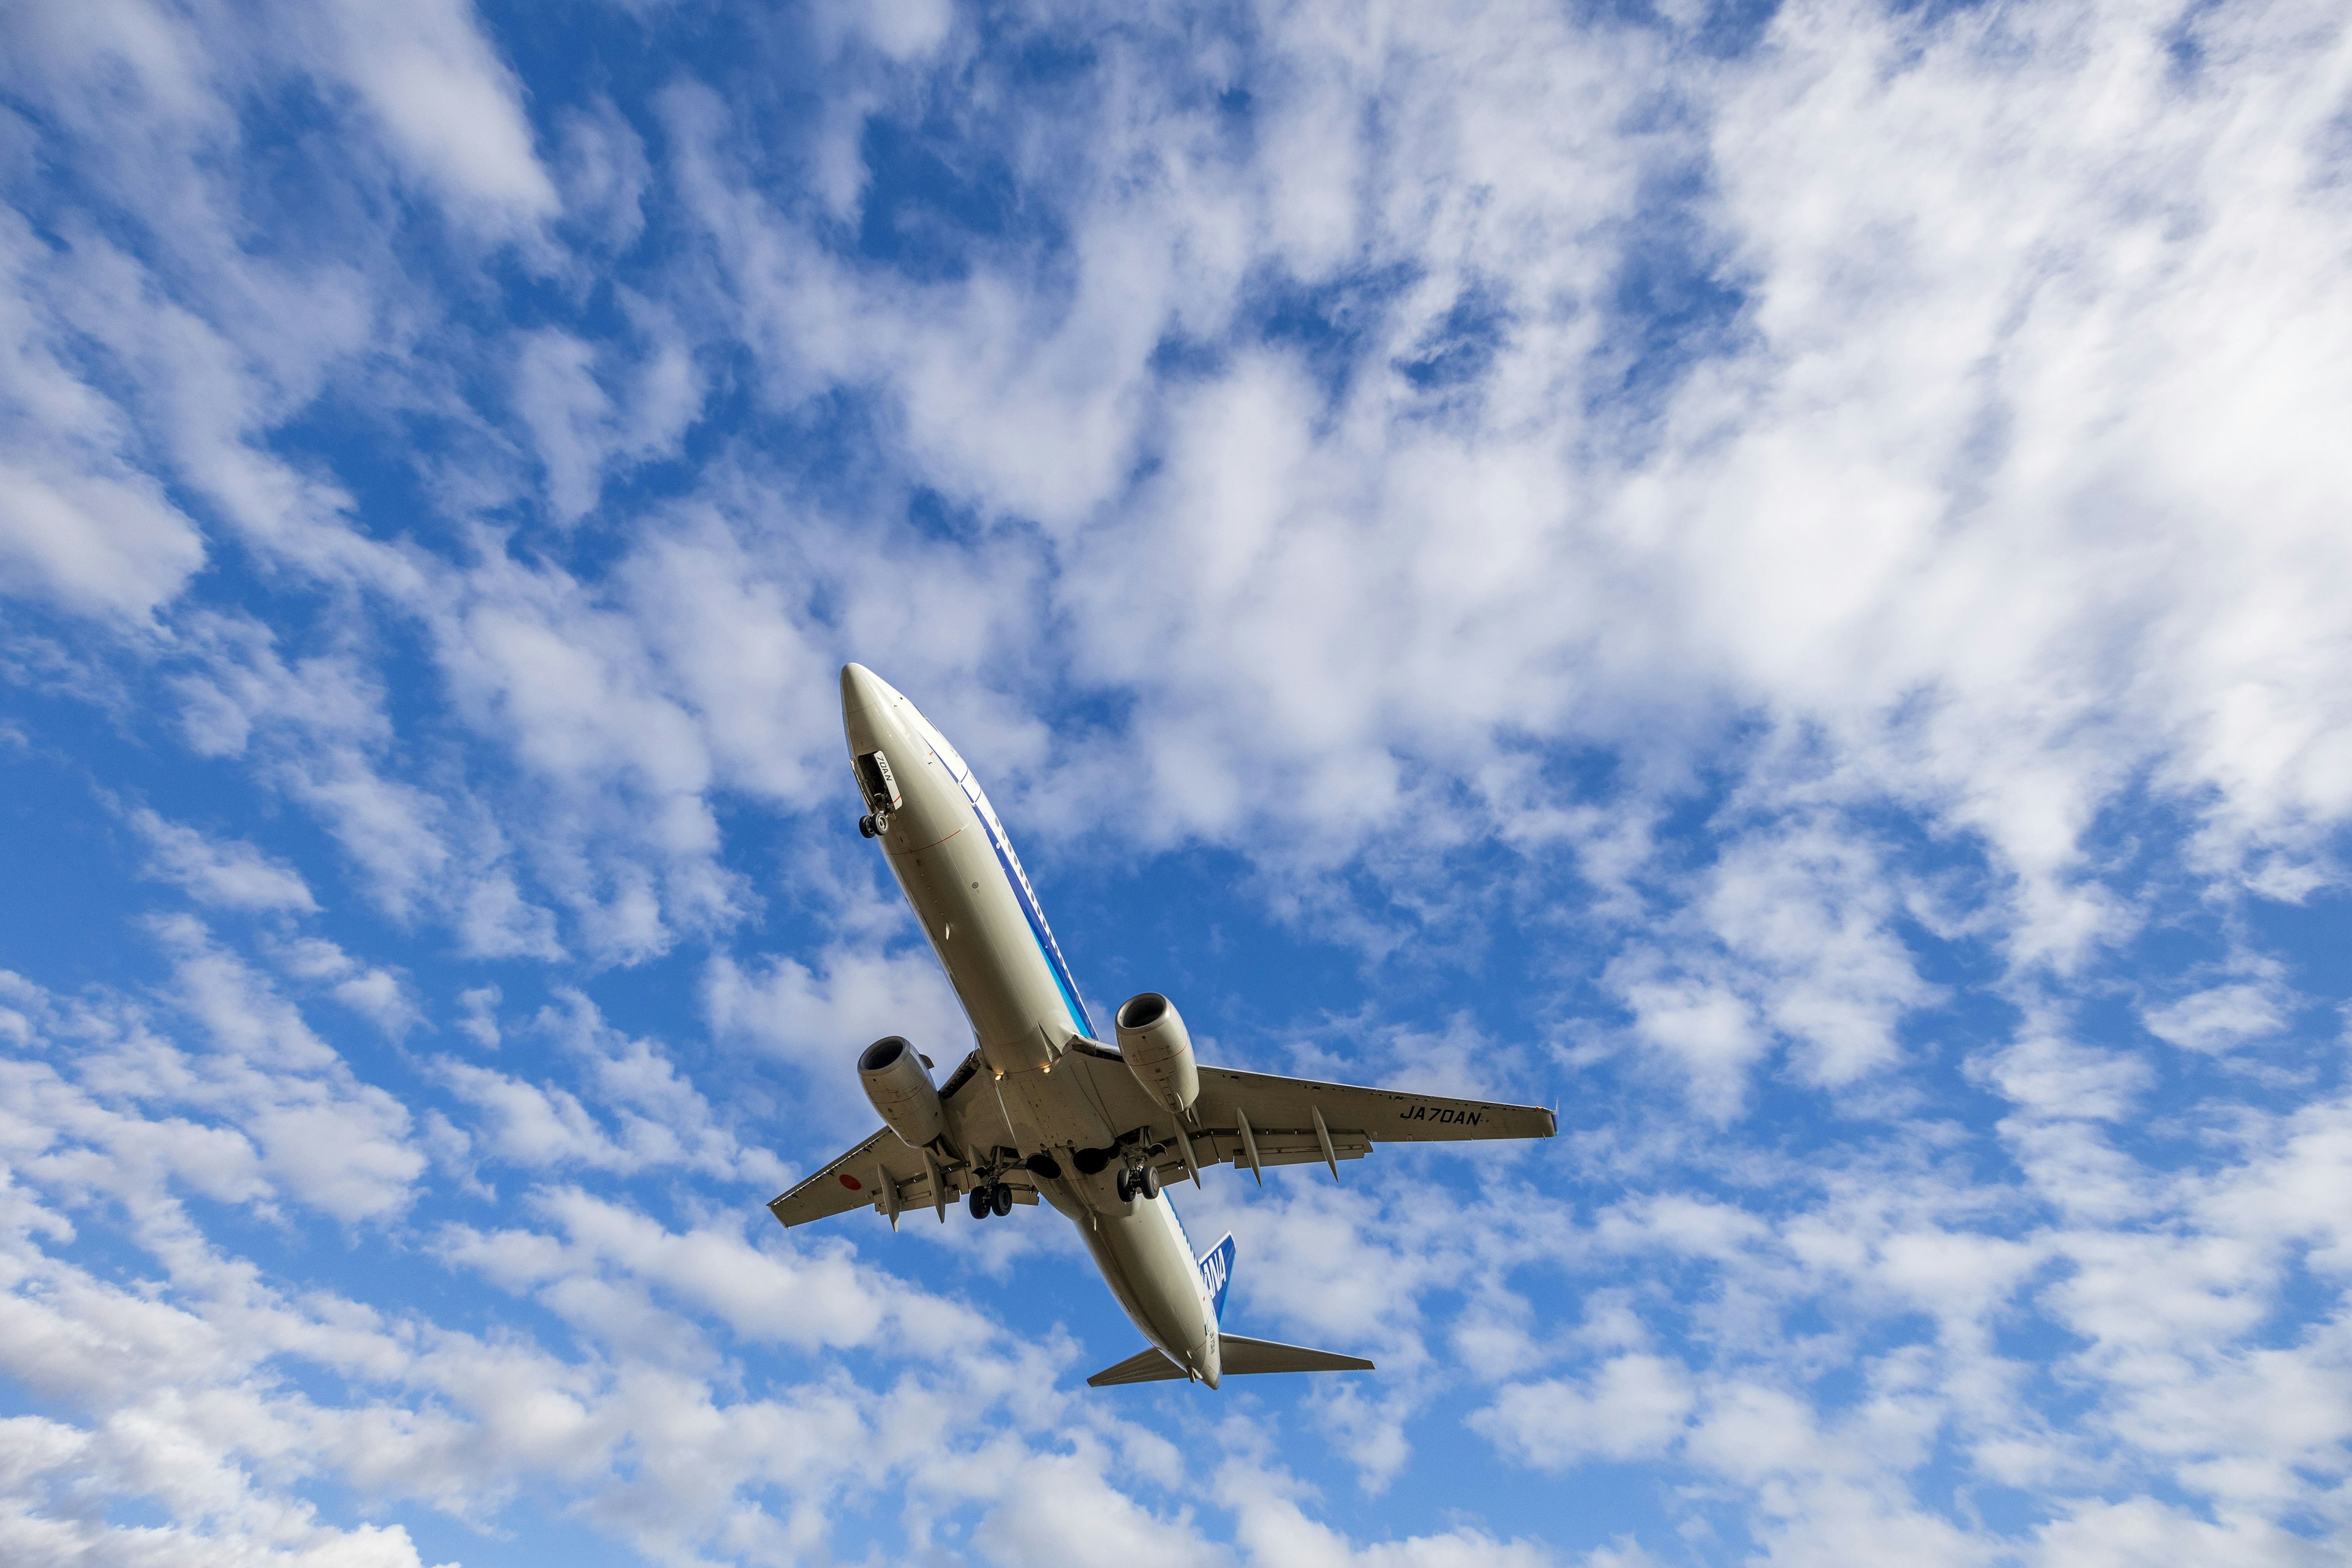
(965, 884)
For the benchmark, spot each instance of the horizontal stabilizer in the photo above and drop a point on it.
(1146, 1365)
(1243, 1356)
(1240, 1356)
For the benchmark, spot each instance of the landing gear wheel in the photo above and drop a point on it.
(1000, 1200)
(979, 1200)
(1151, 1180)
(1126, 1186)
(865, 828)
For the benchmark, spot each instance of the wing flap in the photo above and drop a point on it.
(1242, 1357)
(1214, 1146)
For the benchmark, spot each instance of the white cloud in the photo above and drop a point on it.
(1932, 589)
(95, 541)
(1631, 1407)
(58, 1479)
(79, 520)
(818, 1017)
(214, 1394)
(2048, 1074)
(613, 1262)
(336, 1143)
(452, 109)
(230, 874)
(2142, 1532)
(1997, 508)
(370, 990)
(605, 173)
(1271, 1527)
(1065, 1509)
(2217, 1019)
(1710, 1032)
(655, 1116)
(480, 1020)
(581, 432)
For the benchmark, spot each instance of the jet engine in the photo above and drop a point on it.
(1159, 1051)
(901, 1089)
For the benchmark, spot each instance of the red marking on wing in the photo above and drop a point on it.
(850, 1182)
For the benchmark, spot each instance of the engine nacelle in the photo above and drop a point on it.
(901, 1089)
(1159, 1050)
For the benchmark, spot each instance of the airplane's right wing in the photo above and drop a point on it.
(883, 1174)
(856, 1181)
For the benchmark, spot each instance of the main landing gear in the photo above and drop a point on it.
(1133, 1185)
(993, 1198)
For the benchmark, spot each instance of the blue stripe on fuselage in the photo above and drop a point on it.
(1047, 947)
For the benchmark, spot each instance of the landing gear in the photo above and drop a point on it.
(1000, 1200)
(979, 1203)
(1133, 1185)
(866, 827)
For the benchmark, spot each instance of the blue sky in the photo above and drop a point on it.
(1770, 576)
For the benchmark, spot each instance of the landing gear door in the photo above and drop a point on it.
(878, 784)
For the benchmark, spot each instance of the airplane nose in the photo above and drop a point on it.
(859, 688)
(864, 705)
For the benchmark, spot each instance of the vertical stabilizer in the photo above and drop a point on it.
(1216, 1273)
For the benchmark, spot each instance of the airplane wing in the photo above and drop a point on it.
(1258, 1119)
(856, 1181)
(883, 1174)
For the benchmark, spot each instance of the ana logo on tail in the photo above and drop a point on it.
(1217, 1272)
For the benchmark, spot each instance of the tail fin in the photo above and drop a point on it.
(1217, 1272)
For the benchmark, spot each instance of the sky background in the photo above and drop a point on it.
(1772, 576)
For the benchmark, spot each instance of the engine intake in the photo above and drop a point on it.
(902, 1091)
(1159, 1051)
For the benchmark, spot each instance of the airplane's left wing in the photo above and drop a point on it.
(1259, 1119)
(1381, 1115)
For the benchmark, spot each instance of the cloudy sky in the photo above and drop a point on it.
(1771, 574)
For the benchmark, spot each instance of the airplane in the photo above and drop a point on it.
(1041, 1108)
